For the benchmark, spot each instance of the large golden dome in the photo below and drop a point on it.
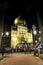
(19, 20)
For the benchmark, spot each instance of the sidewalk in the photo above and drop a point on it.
(21, 59)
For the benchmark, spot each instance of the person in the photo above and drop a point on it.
(25, 48)
(37, 49)
(2, 51)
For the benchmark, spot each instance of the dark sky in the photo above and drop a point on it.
(27, 9)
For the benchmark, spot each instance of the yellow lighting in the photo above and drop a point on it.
(16, 20)
(17, 35)
(30, 40)
(14, 39)
(28, 37)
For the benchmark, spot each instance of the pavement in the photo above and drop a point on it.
(21, 59)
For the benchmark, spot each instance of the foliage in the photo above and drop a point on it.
(41, 56)
(1, 57)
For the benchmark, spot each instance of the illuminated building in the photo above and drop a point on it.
(19, 33)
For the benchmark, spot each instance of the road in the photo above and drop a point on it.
(21, 59)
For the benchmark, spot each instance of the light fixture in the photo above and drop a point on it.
(39, 32)
(34, 32)
(2, 34)
(7, 33)
(35, 41)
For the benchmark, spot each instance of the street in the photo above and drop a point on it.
(21, 59)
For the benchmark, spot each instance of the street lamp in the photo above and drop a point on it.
(39, 32)
(35, 41)
(34, 36)
(2, 34)
(7, 33)
(39, 39)
(34, 32)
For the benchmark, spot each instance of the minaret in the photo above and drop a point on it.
(40, 26)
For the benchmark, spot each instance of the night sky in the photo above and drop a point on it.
(26, 9)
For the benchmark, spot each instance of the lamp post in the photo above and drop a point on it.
(34, 36)
(39, 36)
(34, 30)
(3, 44)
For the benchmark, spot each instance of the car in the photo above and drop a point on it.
(7, 50)
(38, 50)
